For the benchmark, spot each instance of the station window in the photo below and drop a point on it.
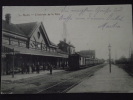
(5, 40)
(22, 43)
(14, 41)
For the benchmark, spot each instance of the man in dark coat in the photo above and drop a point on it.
(37, 68)
(50, 69)
(32, 68)
(23, 68)
(27, 68)
(44, 66)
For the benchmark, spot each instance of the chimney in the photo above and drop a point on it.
(8, 18)
(65, 40)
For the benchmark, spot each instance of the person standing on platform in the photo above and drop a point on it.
(51, 69)
(32, 68)
(28, 68)
(37, 68)
(22, 68)
(44, 66)
(25, 68)
(48, 65)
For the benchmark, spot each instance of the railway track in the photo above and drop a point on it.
(58, 87)
(64, 86)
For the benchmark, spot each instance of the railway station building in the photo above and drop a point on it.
(67, 48)
(90, 57)
(27, 44)
(90, 53)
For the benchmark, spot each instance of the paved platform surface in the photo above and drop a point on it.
(118, 81)
(24, 76)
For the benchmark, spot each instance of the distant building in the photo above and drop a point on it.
(30, 43)
(82, 58)
(76, 60)
(88, 53)
(66, 47)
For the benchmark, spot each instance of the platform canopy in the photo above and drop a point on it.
(22, 50)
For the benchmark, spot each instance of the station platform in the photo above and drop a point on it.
(20, 76)
(102, 81)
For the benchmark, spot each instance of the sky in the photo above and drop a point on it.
(91, 27)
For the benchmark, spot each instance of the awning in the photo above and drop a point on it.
(22, 50)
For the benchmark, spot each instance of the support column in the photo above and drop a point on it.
(57, 63)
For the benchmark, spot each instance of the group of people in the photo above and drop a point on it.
(27, 68)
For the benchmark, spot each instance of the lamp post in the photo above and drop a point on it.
(109, 47)
(13, 65)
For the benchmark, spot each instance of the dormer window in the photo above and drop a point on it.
(38, 34)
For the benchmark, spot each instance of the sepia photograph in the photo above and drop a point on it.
(67, 49)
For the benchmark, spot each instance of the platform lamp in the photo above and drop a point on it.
(13, 63)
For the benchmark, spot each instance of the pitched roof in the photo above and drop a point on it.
(53, 43)
(27, 28)
(11, 27)
(86, 53)
(66, 43)
(22, 29)
(82, 55)
(60, 51)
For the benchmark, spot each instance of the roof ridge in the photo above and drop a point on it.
(13, 25)
(27, 28)
(31, 31)
(26, 23)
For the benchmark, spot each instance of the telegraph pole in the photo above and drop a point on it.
(13, 65)
(109, 47)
